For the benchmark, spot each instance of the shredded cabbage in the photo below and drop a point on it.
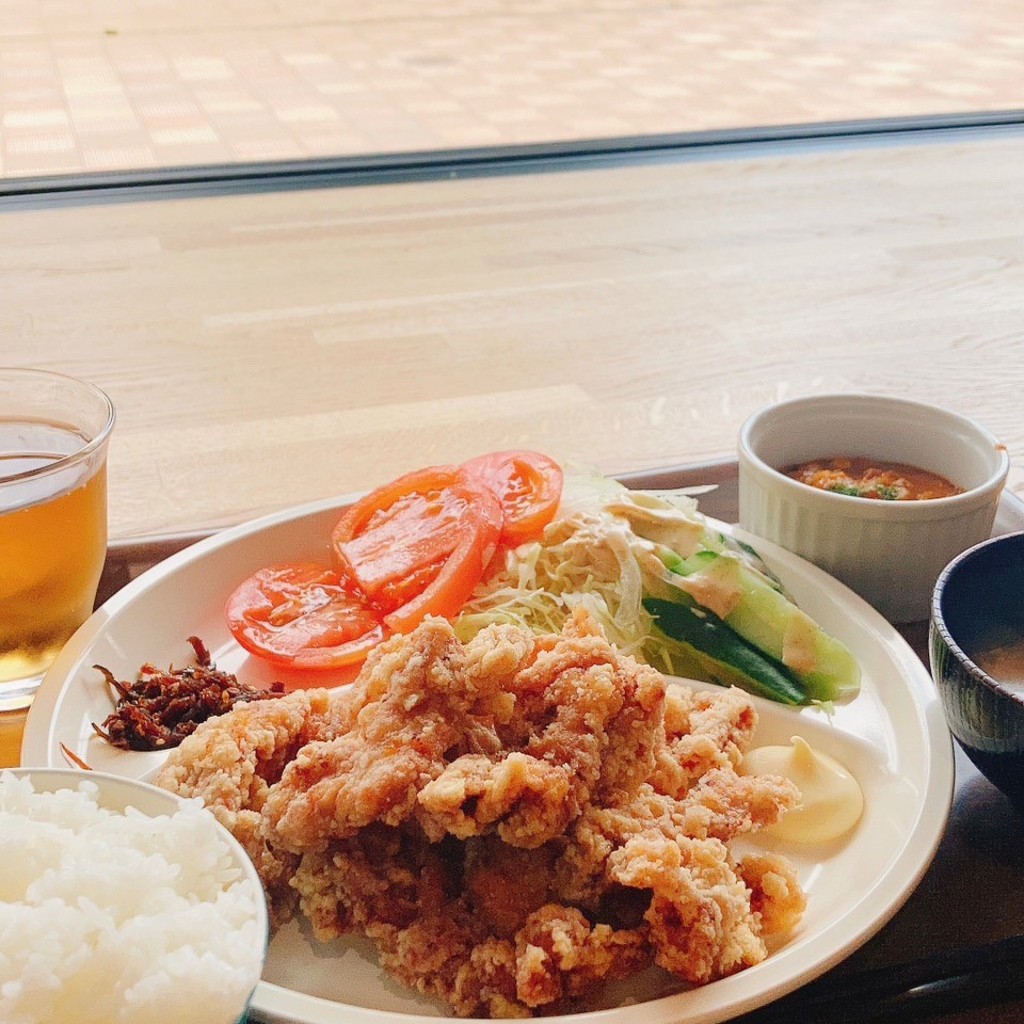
(585, 560)
(601, 553)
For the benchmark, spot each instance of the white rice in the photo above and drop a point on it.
(116, 918)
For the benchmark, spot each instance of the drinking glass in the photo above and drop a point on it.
(54, 433)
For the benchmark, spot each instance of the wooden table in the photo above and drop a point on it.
(268, 349)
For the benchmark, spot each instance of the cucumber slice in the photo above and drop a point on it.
(721, 655)
(766, 618)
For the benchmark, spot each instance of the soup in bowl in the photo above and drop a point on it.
(976, 647)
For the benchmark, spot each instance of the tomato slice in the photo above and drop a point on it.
(419, 545)
(528, 485)
(301, 615)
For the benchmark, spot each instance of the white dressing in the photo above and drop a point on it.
(831, 800)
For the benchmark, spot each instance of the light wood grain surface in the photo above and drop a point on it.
(264, 350)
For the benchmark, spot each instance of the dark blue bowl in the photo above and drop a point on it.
(979, 602)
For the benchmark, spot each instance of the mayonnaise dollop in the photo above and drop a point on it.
(831, 798)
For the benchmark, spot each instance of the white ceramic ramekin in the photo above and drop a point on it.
(889, 552)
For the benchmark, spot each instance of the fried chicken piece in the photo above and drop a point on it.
(408, 710)
(510, 733)
(775, 893)
(404, 892)
(704, 729)
(505, 884)
(232, 761)
(707, 915)
(561, 954)
(512, 821)
(701, 924)
(465, 921)
(586, 725)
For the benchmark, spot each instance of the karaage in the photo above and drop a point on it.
(513, 820)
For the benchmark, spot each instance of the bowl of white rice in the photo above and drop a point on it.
(122, 903)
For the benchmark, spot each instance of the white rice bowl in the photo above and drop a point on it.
(121, 903)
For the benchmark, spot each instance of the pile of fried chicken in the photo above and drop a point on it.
(513, 821)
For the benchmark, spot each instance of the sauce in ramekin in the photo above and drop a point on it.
(862, 477)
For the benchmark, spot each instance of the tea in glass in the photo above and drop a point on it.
(54, 432)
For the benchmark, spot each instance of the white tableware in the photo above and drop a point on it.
(892, 736)
(120, 795)
(889, 552)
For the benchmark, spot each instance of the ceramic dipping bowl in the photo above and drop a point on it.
(888, 551)
(976, 648)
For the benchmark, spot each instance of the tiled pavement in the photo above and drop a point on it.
(114, 84)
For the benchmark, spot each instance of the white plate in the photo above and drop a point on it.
(892, 736)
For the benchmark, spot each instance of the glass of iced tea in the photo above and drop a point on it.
(54, 432)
